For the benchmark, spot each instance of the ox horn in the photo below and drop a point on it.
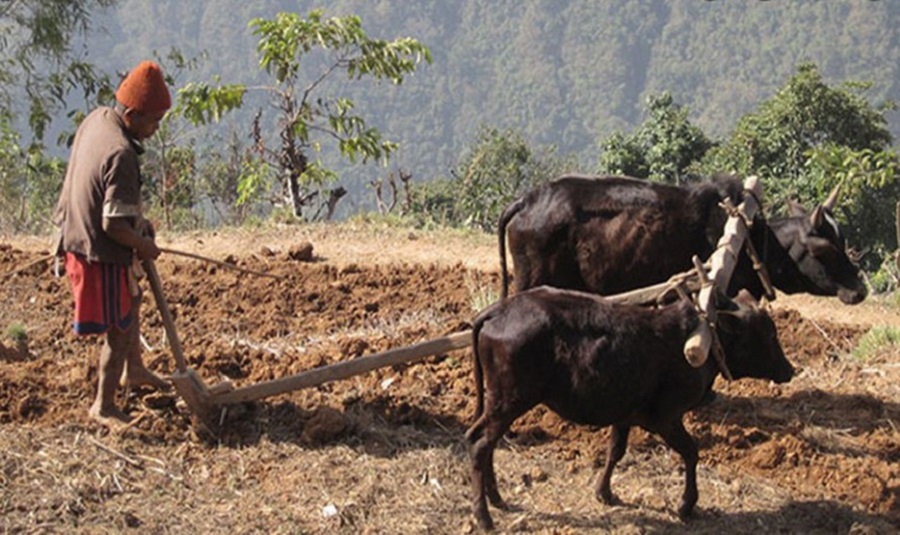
(831, 201)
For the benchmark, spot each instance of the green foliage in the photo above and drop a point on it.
(253, 180)
(869, 188)
(201, 103)
(16, 332)
(29, 183)
(169, 164)
(775, 142)
(434, 203)
(809, 138)
(623, 155)
(886, 278)
(876, 340)
(38, 59)
(499, 168)
(232, 181)
(305, 117)
(661, 149)
(11, 169)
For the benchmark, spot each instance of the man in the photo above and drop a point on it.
(102, 228)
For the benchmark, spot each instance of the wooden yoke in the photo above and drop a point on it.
(696, 349)
(722, 263)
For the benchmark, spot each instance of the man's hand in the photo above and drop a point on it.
(147, 250)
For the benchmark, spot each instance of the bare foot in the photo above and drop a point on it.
(142, 377)
(112, 418)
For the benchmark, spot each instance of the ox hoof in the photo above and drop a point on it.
(507, 507)
(607, 497)
(686, 511)
(485, 523)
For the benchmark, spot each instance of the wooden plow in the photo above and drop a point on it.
(204, 401)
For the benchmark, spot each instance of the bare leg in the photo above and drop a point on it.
(112, 362)
(136, 373)
(618, 442)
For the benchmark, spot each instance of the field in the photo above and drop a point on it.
(382, 452)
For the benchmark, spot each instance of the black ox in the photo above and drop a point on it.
(598, 363)
(613, 234)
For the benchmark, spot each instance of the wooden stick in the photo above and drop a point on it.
(163, 306)
(219, 263)
(120, 455)
(347, 368)
(650, 294)
(26, 266)
(187, 383)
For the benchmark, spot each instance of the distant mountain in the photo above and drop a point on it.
(566, 73)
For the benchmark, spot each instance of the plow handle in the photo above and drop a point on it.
(168, 322)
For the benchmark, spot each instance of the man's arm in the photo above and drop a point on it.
(123, 233)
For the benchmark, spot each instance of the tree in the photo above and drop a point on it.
(809, 138)
(37, 58)
(869, 193)
(305, 117)
(221, 169)
(775, 141)
(661, 149)
(29, 182)
(500, 167)
(38, 72)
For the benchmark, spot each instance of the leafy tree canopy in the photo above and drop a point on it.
(499, 167)
(810, 137)
(305, 117)
(661, 149)
(775, 141)
(36, 57)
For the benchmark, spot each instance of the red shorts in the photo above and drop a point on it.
(102, 299)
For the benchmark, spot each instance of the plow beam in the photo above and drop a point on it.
(345, 369)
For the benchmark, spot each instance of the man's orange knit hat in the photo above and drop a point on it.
(144, 89)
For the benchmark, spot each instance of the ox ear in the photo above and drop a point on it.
(729, 318)
(745, 298)
(796, 209)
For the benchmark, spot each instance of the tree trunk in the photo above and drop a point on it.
(294, 193)
(897, 226)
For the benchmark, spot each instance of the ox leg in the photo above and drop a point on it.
(482, 438)
(677, 437)
(618, 442)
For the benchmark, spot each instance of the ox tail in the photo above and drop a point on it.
(508, 213)
(476, 360)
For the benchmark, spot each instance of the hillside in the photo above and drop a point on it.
(564, 73)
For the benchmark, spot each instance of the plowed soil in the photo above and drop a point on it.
(382, 452)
